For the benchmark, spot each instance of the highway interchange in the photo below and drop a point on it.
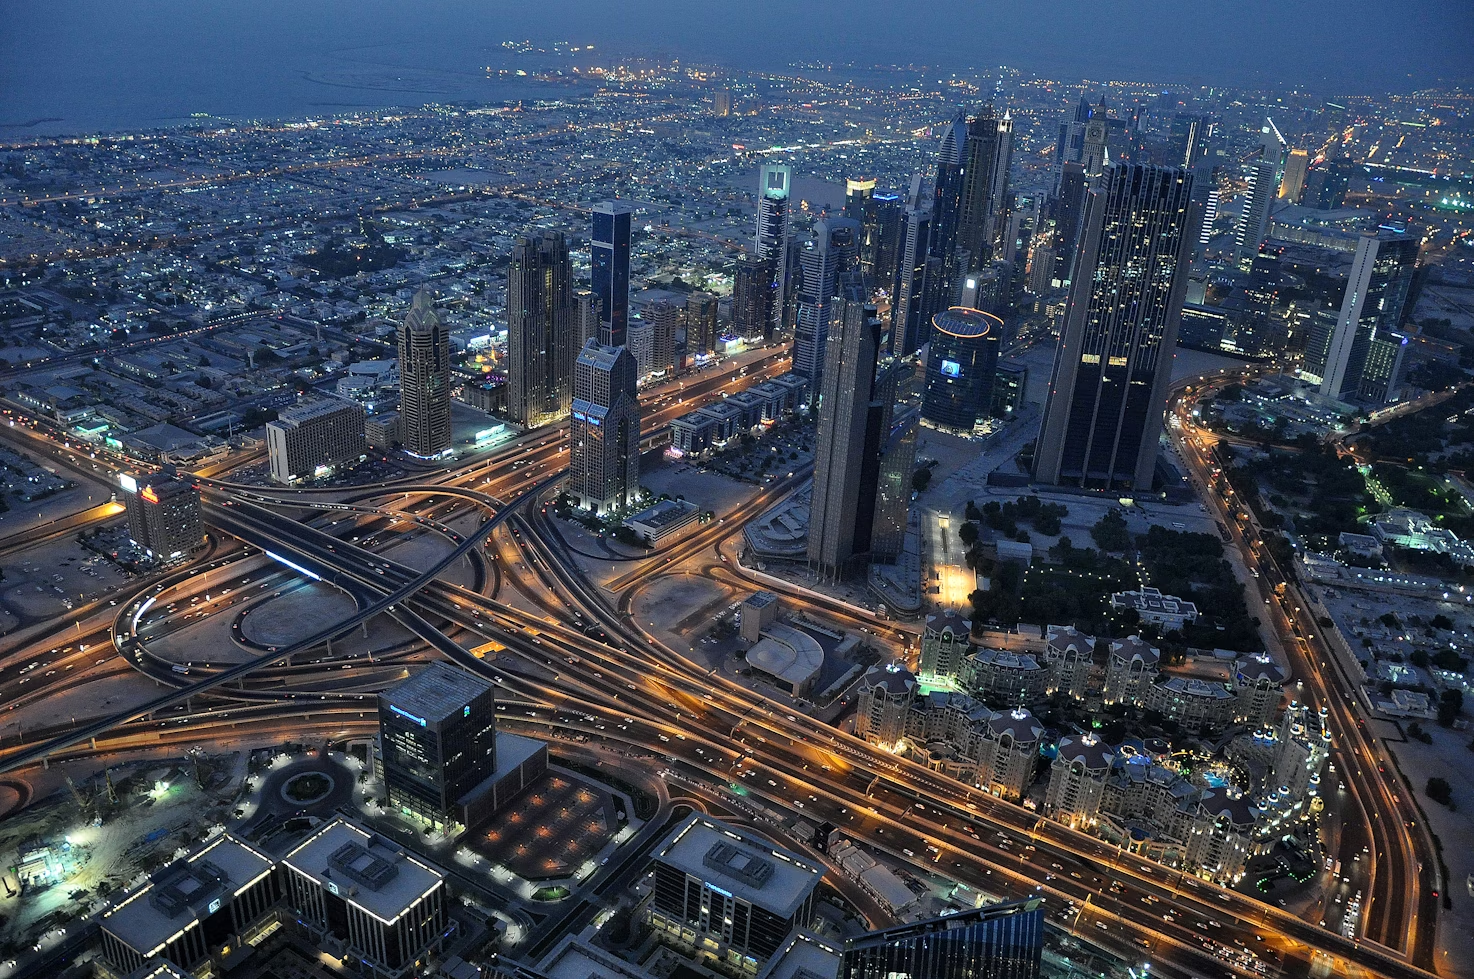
(575, 665)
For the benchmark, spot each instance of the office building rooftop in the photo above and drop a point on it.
(748, 867)
(365, 869)
(436, 692)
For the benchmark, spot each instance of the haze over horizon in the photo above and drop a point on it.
(85, 64)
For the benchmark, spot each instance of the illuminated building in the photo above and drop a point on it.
(1292, 184)
(315, 438)
(164, 514)
(773, 236)
(722, 892)
(823, 260)
(200, 913)
(986, 157)
(999, 941)
(961, 364)
(700, 316)
(908, 287)
(1077, 779)
(854, 429)
(1108, 390)
(1131, 667)
(541, 327)
(437, 739)
(604, 432)
(424, 381)
(609, 263)
(753, 297)
(944, 642)
(366, 899)
(1373, 308)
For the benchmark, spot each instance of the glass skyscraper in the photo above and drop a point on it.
(960, 363)
(540, 330)
(609, 259)
(1003, 941)
(437, 738)
(1108, 389)
(834, 250)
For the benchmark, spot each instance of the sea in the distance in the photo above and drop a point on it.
(84, 66)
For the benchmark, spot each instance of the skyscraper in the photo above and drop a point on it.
(424, 381)
(701, 323)
(908, 286)
(961, 362)
(1254, 223)
(1071, 145)
(1189, 138)
(833, 251)
(1068, 208)
(541, 323)
(604, 422)
(1000, 941)
(1108, 389)
(753, 294)
(1373, 308)
(437, 738)
(858, 395)
(604, 429)
(947, 188)
(665, 319)
(772, 232)
(987, 154)
(609, 261)
(1292, 185)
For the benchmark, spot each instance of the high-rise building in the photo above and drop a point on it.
(1189, 138)
(858, 194)
(1254, 222)
(541, 328)
(1067, 207)
(908, 289)
(961, 362)
(987, 155)
(437, 739)
(893, 491)
(315, 438)
(946, 207)
(424, 381)
(1077, 780)
(640, 342)
(833, 251)
(721, 103)
(999, 941)
(604, 430)
(701, 324)
(1095, 155)
(1373, 308)
(586, 318)
(728, 892)
(1108, 389)
(880, 239)
(609, 269)
(854, 428)
(1326, 185)
(772, 241)
(1071, 145)
(753, 297)
(1292, 185)
(164, 513)
(665, 321)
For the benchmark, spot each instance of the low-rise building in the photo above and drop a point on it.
(789, 658)
(729, 894)
(1166, 611)
(657, 522)
(365, 898)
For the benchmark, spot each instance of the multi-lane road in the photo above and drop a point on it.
(575, 665)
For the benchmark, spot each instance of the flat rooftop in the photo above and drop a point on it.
(748, 867)
(182, 893)
(437, 691)
(663, 513)
(368, 870)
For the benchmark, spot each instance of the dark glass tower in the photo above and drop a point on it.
(987, 155)
(424, 381)
(772, 240)
(609, 257)
(831, 253)
(1108, 390)
(853, 432)
(753, 297)
(540, 330)
(1373, 308)
(908, 286)
(1004, 941)
(961, 362)
(437, 738)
